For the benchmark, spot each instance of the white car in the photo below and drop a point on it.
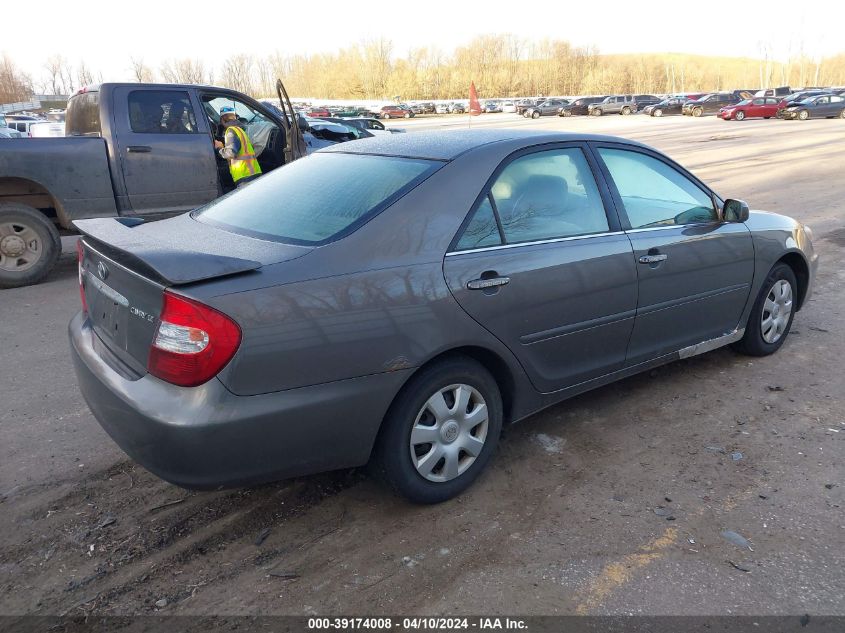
(45, 129)
(442, 108)
(509, 106)
(373, 126)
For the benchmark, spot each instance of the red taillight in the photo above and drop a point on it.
(192, 342)
(80, 256)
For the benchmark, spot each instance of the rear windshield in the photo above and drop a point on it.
(317, 199)
(83, 115)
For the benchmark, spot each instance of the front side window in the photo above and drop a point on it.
(655, 194)
(318, 198)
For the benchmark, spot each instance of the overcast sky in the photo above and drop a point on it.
(106, 34)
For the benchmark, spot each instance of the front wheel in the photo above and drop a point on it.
(658, 112)
(739, 116)
(407, 115)
(596, 112)
(771, 317)
(385, 115)
(29, 245)
(697, 112)
(842, 114)
(803, 115)
(535, 115)
(440, 432)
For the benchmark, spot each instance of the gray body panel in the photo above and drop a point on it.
(330, 337)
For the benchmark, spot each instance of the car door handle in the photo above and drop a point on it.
(652, 259)
(139, 149)
(481, 284)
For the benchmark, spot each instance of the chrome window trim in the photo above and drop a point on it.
(672, 226)
(553, 240)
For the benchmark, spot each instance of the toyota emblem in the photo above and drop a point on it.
(102, 271)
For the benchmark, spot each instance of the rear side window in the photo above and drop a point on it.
(317, 199)
(83, 115)
(655, 194)
(161, 112)
(539, 196)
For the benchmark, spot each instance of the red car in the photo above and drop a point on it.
(765, 107)
(318, 112)
(396, 112)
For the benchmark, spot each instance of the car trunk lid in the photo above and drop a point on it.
(126, 266)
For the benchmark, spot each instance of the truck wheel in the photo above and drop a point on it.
(29, 245)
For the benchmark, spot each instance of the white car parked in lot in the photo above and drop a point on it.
(508, 106)
(46, 129)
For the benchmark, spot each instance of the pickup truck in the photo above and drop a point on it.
(137, 150)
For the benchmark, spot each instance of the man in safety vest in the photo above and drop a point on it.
(237, 149)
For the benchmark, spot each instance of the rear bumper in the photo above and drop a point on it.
(207, 437)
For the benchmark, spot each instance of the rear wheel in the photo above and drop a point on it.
(440, 432)
(842, 114)
(407, 115)
(626, 110)
(803, 115)
(29, 245)
(386, 115)
(772, 314)
(739, 116)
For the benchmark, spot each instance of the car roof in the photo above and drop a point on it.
(449, 144)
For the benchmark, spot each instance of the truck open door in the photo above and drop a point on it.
(295, 146)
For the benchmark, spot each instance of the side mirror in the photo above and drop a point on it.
(303, 124)
(735, 211)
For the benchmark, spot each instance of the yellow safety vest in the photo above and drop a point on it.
(245, 163)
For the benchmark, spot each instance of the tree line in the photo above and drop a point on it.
(500, 66)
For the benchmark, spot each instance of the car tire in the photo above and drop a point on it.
(535, 115)
(739, 116)
(803, 115)
(386, 115)
(842, 114)
(759, 339)
(626, 110)
(565, 113)
(657, 112)
(407, 115)
(767, 117)
(396, 450)
(23, 230)
(697, 112)
(596, 112)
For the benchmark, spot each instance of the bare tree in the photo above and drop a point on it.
(141, 72)
(186, 71)
(15, 85)
(237, 73)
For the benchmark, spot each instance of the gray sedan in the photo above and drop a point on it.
(396, 300)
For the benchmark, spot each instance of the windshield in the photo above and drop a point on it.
(317, 199)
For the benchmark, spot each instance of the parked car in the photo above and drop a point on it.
(442, 108)
(797, 97)
(521, 106)
(580, 106)
(551, 107)
(129, 142)
(274, 333)
(712, 103)
(426, 107)
(456, 107)
(372, 126)
(491, 105)
(820, 107)
(782, 91)
(614, 104)
(395, 112)
(667, 107)
(318, 112)
(46, 129)
(25, 125)
(509, 106)
(765, 107)
(643, 101)
(352, 112)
